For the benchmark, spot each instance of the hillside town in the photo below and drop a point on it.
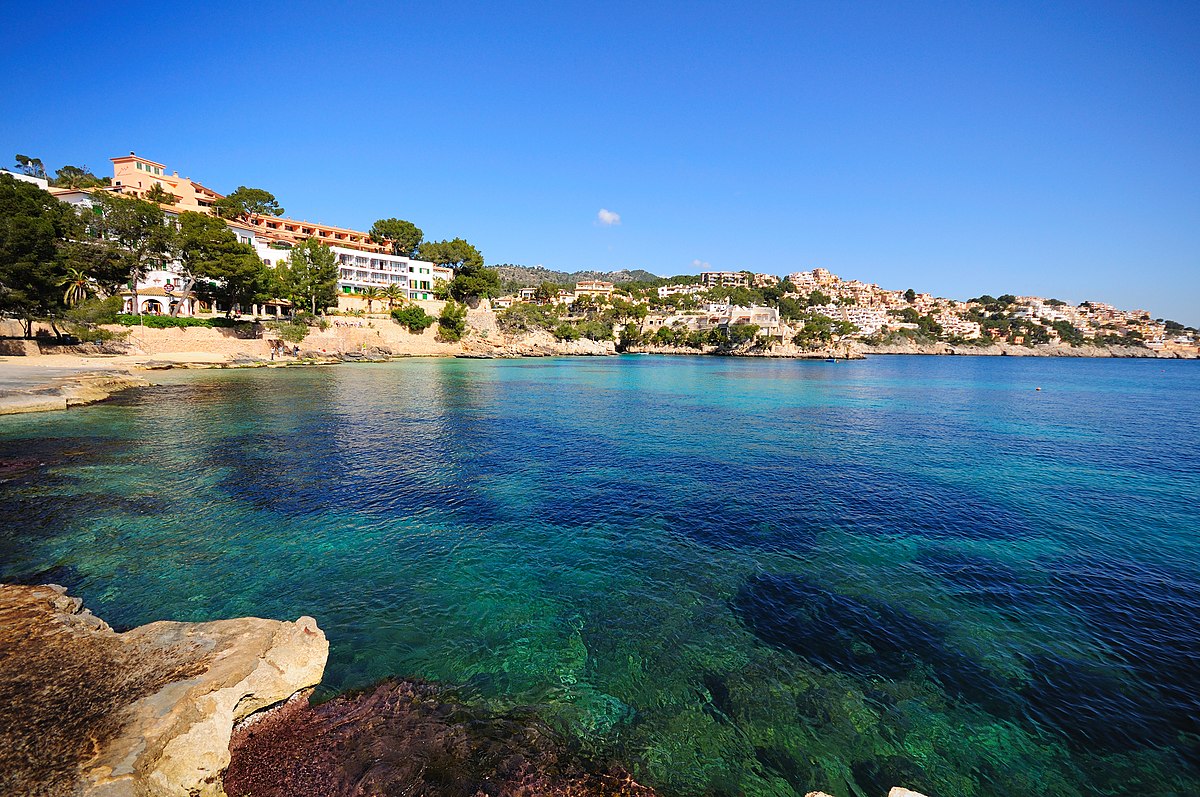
(830, 308)
(391, 267)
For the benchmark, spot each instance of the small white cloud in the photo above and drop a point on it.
(703, 265)
(608, 218)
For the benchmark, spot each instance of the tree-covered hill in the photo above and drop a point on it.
(531, 276)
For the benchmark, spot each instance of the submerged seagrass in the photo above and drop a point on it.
(732, 576)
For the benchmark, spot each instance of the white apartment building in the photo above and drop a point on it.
(723, 279)
(808, 281)
(40, 182)
(803, 280)
(955, 326)
(867, 320)
(596, 288)
(765, 318)
(359, 270)
(678, 290)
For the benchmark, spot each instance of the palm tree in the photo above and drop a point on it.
(370, 294)
(79, 285)
(393, 293)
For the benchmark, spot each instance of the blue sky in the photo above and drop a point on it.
(957, 148)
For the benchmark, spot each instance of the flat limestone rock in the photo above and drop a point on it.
(149, 712)
(74, 390)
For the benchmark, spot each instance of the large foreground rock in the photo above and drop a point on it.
(149, 712)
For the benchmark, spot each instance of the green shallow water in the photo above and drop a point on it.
(733, 576)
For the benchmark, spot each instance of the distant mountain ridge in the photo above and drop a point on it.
(532, 276)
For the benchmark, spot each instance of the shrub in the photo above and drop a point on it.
(96, 311)
(89, 334)
(415, 318)
(566, 331)
(162, 321)
(665, 336)
(595, 330)
(452, 323)
(181, 322)
(290, 331)
(526, 318)
(630, 336)
(305, 317)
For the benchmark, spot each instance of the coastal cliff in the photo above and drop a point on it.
(148, 712)
(534, 344)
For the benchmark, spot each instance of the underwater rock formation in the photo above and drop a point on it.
(412, 738)
(85, 710)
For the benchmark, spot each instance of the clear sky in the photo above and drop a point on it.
(959, 148)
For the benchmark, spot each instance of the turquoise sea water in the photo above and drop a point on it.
(735, 576)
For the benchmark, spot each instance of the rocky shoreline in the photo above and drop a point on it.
(780, 351)
(93, 378)
(997, 349)
(85, 710)
(62, 391)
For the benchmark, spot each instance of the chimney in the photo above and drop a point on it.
(131, 152)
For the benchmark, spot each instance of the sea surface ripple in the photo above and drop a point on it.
(734, 576)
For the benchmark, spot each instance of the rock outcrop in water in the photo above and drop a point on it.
(85, 710)
(61, 392)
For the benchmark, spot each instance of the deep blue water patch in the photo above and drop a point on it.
(982, 579)
(867, 639)
(1095, 708)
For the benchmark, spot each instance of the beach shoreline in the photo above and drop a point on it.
(56, 381)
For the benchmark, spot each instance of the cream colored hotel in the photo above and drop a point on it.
(362, 263)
